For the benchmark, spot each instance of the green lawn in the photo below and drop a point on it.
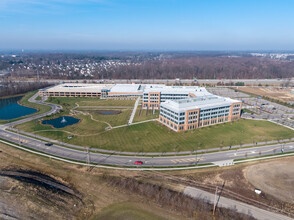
(114, 120)
(144, 114)
(39, 98)
(150, 136)
(154, 137)
(127, 211)
(89, 101)
(94, 105)
(248, 111)
(106, 102)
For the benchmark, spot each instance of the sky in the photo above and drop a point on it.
(147, 24)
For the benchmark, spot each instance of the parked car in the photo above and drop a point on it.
(138, 162)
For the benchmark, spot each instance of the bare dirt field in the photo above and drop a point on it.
(276, 179)
(82, 193)
(281, 94)
(78, 193)
(273, 177)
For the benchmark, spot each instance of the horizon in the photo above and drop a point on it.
(149, 26)
(20, 51)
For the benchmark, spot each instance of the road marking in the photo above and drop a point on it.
(253, 152)
(186, 160)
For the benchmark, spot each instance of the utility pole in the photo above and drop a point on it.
(196, 156)
(214, 203)
(88, 156)
(18, 138)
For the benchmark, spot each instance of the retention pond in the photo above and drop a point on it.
(61, 122)
(10, 109)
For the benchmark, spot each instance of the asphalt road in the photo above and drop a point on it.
(163, 81)
(109, 159)
(148, 161)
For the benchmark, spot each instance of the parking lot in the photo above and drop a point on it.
(227, 92)
(259, 108)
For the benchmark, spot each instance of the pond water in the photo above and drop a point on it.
(10, 109)
(61, 122)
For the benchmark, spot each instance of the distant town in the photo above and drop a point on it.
(146, 65)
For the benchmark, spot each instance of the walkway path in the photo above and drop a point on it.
(281, 124)
(134, 110)
(135, 123)
(233, 204)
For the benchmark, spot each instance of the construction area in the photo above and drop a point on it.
(278, 93)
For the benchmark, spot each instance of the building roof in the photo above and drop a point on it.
(78, 87)
(204, 102)
(196, 90)
(126, 88)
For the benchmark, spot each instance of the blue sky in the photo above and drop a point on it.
(147, 24)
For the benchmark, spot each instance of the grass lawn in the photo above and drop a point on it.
(94, 106)
(150, 136)
(248, 111)
(69, 102)
(42, 108)
(39, 98)
(127, 211)
(154, 137)
(105, 102)
(86, 126)
(144, 114)
(113, 119)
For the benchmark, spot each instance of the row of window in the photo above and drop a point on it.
(193, 113)
(73, 93)
(169, 124)
(214, 109)
(169, 117)
(214, 121)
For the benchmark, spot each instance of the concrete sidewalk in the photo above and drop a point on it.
(134, 110)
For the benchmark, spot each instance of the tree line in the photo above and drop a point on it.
(14, 88)
(204, 68)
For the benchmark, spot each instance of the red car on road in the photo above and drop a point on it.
(138, 162)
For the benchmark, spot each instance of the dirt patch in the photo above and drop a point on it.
(276, 179)
(40, 196)
(281, 94)
(238, 180)
(39, 179)
(42, 201)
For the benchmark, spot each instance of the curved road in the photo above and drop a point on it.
(109, 159)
